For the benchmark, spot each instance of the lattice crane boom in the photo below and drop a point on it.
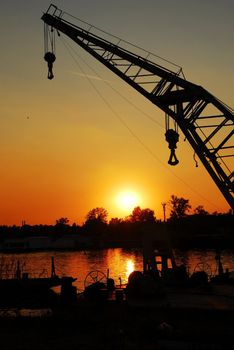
(206, 122)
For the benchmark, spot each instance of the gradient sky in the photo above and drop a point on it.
(63, 151)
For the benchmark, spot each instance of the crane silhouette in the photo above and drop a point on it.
(206, 122)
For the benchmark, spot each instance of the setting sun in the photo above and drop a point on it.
(127, 200)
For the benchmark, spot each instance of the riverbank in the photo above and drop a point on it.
(195, 231)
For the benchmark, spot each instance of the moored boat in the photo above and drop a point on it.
(19, 287)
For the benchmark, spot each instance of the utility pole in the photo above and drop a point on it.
(164, 211)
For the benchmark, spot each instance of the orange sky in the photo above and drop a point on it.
(63, 150)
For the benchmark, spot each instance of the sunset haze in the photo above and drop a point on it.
(76, 142)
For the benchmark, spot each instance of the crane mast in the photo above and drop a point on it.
(206, 122)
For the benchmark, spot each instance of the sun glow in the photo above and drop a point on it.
(130, 267)
(128, 200)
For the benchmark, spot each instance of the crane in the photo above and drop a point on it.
(206, 122)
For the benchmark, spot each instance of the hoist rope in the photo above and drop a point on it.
(45, 38)
(71, 51)
(49, 49)
(167, 123)
(49, 39)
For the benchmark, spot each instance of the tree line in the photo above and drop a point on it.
(185, 228)
(179, 208)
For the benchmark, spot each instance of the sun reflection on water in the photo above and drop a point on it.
(130, 267)
(119, 262)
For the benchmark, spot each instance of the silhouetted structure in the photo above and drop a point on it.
(188, 104)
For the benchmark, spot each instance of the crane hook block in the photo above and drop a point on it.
(50, 58)
(172, 137)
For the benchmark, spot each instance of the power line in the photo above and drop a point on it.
(69, 49)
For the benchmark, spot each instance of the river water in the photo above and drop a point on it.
(118, 262)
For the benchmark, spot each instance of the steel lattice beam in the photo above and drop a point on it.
(205, 121)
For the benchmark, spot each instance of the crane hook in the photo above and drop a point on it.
(172, 137)
(50, 58)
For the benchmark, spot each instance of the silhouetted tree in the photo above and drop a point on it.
(62, 221)
(96, 224)
(200, 210)
(97, 215)
(179, 207)
(115, 221)
(142, 215)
